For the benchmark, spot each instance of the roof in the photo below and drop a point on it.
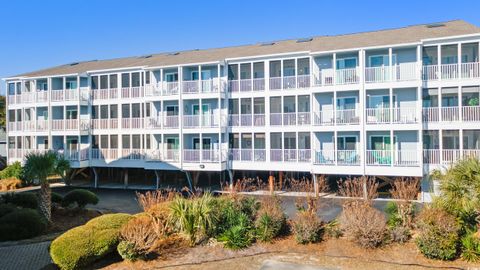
(409, 34)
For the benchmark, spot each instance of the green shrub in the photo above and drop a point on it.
(127, 251)
(194, 217)
(56, 198)
(393, 218)
(80, 197)
(400, 234)
(21, 223)
(270, 219)
(22, 199)
(332, 229)
(437, 234)
(307, 227)
(109, 221)
(239, 235)
(14, 170)
(6, 208)
(85, 244)
(471, 247)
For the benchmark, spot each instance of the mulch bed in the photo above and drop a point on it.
(329, 253)
(65, 219)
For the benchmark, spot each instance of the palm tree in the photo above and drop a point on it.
(39, 166)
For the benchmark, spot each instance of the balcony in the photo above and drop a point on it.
(248, 154)
(132, 123)
(342, 117)
(246, 85)
(327, 77)
(290, 119)
(201, 156)
(451, 71)
(339, 157)
(69, 124)
(197, 121)
(452, 114)
(290, 155)
(289, 82)
(396, 73)
(447, 156)
(400, 158)
(133, 92)
(246, 120)
(398, 115)
(201, 86)
(104, 154)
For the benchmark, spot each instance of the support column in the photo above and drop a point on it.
(125, 180)
(439, 62)
(459, 59)
(95, 174)
(157, 179)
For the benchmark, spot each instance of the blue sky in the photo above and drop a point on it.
(40, 34)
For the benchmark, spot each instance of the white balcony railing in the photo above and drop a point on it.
(57, 95)
(42, 125)
(470, 70)
(132, 154)
(191, 121)
(276, 154)
(132, 123)
(347, 117)
(324, 157)
(404, 115)
(451, 71)
(259, 120)
(346, 76)
(171, 121)
(379, 157)
(378, 115)
(190, 87)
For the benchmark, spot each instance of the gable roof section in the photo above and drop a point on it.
(409, 34)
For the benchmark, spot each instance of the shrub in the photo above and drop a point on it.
(239, 235)
(80, 197)
(437, 234)
(400, 234)
(56, 198)
(270, 219)
(6, 208)
(139, 237)
(151, 198)
(159, 215)
(332, 229)
(14, 170)
(364, 224)
(307, 227)
(356, 187)
(193, 217)
(11, 183)
(109, 221)
(471, 247)
(85, 244)
(23, 199)
(393, 217)
(21, 224)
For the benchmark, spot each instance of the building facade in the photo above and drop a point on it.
(397, 102)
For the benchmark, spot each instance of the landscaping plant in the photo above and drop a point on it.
(39, 166)
(358, 187)
(270, 219)
(11, 183)
(193, 217)
(438, 234)
(21, 223)
(23, 199)
(14, 170)
(363, 224)
(471, 247)
(80, 198)
(138, 238)
(83, 245)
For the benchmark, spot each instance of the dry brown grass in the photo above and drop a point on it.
(140, 232)
(363, 224)
(245, 184)
(10, 184)
(358, 187)
(159, 215)
(152, 198)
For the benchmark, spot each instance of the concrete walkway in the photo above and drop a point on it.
(29, 256)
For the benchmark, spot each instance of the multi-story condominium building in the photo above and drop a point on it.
(388, 103)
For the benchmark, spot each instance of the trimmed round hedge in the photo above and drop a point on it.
(23, 199)
(80, 197)
(85, 244)
(21, 223)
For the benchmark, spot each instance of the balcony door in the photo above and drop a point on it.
(346, 103)
(382, 142)
(206, 143)
(381, 60)
(71, 114)
(345, 63)
(172, 110)
(171, 77)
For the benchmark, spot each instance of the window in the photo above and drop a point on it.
(71, 114)
(347, 143)
(104, 141)
(259, 105)
(135, 79)
(233, 141)
(104, 112)
(172, 110)
(72, 84)
(94, 82)
(346, 103)
(380, 101)
(136, 113)
(125, 80)
(136, 142)
(381, 60)
(125, 141)
(345, 63)
(113, 111)
(125, 110)
(113, 141)
(95, 112)
(113, 81)
(171, 77)
(246, 106)
(381, 142)
(289, 141)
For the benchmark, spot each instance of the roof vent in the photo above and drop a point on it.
(435, 25)
(267, 43)
(301, 40)
(145, 56)
(173, 53)
(74, 64)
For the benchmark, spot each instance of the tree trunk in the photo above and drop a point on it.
(45, 201)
